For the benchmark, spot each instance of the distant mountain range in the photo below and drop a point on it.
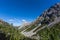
(4, 23)
(10, 32)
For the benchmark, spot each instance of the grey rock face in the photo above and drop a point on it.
(49, 18)
(49, 15)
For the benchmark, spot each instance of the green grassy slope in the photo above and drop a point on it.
(52, 33)
(12, 33)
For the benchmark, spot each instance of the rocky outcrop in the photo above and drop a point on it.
(48, 17)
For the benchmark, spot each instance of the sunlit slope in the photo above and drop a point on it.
(47, 17)
(46, 26)
(52, 33)
(11, 32)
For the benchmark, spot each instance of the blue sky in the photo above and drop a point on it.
(15, 11)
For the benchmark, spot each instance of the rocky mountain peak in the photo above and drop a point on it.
(48, 15)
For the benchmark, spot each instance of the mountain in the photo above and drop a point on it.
(10, 32)
(24, 25)
(3, 23)
(47, 16)
(47, 24)
(45, 27)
